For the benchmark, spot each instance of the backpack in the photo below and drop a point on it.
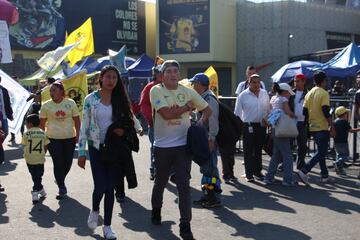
(230, 125)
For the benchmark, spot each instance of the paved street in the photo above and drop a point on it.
(250, 211)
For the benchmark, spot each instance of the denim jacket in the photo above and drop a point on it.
(90, 130)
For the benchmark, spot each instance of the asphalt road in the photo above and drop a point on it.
(249, 211)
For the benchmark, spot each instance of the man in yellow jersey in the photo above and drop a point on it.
(172, 104)
(317, 108)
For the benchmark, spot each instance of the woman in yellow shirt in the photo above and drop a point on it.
(59, 117)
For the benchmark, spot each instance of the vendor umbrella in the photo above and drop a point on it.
(288, 71)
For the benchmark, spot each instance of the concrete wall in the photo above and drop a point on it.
(263, 29)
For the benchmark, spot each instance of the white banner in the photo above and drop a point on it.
(5, 49)
(18, 96)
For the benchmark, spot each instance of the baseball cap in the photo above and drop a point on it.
(286, 87)
(200, 78)
(341, 110)
(169, 63)
(300, 76)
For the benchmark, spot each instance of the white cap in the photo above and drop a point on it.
(286, 87)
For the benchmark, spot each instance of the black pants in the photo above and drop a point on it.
(36, 171)
(301, 145)
(253, 142)
(119, 186)
(227, 153)
(62, 152)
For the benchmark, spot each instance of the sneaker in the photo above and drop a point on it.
(250, 179)
(152, 177)
(108, 232)
(92, 221)
(326, 179)
(120, 197)
(62, 193)
(259, 177)
(156, 216)
(291, 184)
(212, 204)
(172, 179)
(42, 193)
(269, 181)
(226, 180)
(340, 172)
(280, 168)
(303, 177)
(233, 179)
(200, 202)
(1, 188)
(35, 196)
(185, 231)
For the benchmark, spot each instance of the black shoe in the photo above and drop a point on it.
(280, 168)
(259, 177)
(212, 204)
(226, 180)
(120, 198)
(172, 179)
(152, 177)
(62, 193)
(185, 231)
(200, 202)
(156, 216)
(1, 188)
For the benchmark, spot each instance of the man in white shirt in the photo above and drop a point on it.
(250, 70)
(296, 104)
(252, 106)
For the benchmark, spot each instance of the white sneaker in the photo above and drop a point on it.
(108, 232)
(42, 193)
(93, 219)
(303, 177)
(35, 196)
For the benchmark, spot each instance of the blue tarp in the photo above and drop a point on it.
(288, 71)
(345, 64)
(142, 68)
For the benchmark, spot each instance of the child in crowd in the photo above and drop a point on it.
(35, 142)
(342, 128)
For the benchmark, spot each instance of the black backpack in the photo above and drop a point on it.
(230, 125)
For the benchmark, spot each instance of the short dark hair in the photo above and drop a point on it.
(319, 77)
(33, 119)
(50, 80)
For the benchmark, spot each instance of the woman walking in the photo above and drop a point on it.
(102, 109)
(281, 148)
(59, 117)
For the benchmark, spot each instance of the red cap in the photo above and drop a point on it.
(300, 76)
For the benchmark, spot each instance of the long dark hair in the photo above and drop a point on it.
(119, 98)
(276, 88)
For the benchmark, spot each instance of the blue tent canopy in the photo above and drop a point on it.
(288, 71)
(345, 64)
(142, 68)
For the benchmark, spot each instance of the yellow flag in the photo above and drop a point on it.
(214, 82)
(76, 88)
(84, 34)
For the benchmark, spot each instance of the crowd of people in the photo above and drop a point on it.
(109, 130)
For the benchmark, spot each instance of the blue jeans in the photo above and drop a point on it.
(281, 153)
(36, 171)
(5, 128)
(210, 169)
(342, 154)
(104, 176)
(151, 139)
(321, 139)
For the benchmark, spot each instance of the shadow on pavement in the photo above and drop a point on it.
(73, 214)
(260, 231)
(3, 209)
(138, 219)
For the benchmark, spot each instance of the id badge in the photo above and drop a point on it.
(251, 130)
